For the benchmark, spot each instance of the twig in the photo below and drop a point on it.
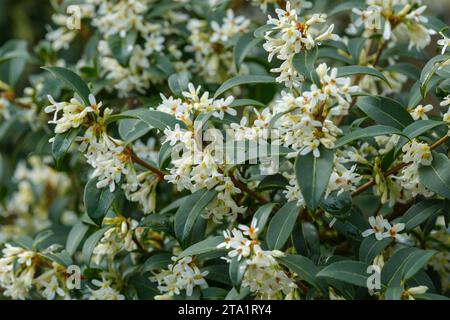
(396, 169)
(147, 166)
(246, 189)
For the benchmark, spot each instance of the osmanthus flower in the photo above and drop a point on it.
(104, 289)
(290, 35)
(396, 19)
(394, 231)
(182, 275)
(65, 33)
(378, 225)
(410, 293)
(419, 112)
(28, 207)
(209, 41)
(4, 109)
(444, 42)
(263, 275)
(198, 166)
(308, 124)
(120, 236)
(415, 154)
(19, 273)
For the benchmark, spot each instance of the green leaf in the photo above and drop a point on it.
(305, 269)
(178, 83)
(63, 258)
(158, 222)
(132, 129)
(212, 293)
(393, 293)
(276, 181)
(313, 174)
(236, 271)
(157, 119)
(405, 68)
(416, 262)
(355, 46)
(206, 246)
(420, 212)
(90, 244)
(431, 296)
(14, 55)
(429, 70)
(247, 102)
(243, 80)
(333, 53)
(436, 177)
(353, 272)
(304, 61)
(98, 201)
(306, 240)
(71, 80)
(75, 237)
(385, 111)
(351, 70)
(160, 260)
(337, 205)
(243, 47)
(262, 216)
(62, 143)
(189, 211)
(260, 32)
(11, 70)
(373, 131)
(122, 47)
(347, 6)
(165, 152)
(370, 247)
(404, 264)
(281, 225)
(218, 272)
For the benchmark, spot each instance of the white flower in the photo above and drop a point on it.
(393, 231)
(52, 289)
(420, 112)
(444, 42)
(250, 231)
(378, 225)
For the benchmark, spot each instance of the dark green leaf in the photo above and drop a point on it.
(436, 177)
(313, 174)
(281, 225)
(71, 80)
(385, 111)
(243, 80)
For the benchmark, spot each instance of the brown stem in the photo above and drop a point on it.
(379, 52)
(147, 166)
(246, 189)
(396, 169)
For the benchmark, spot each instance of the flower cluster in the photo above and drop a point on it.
(27, 210)
(19, 274)
(290, 35)
(182, 275)
(396, 19)
(210, 42)
(381, 228)
(199, 167)
(110, 157)
(262, 273)
(306, 123)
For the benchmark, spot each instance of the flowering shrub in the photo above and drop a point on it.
(173, 149)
